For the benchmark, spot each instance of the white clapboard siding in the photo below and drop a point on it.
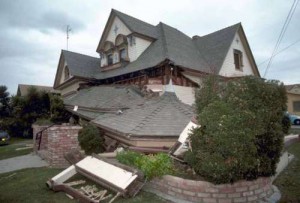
(228, 67)
(115, 175)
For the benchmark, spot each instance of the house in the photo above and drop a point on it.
(293, 96)
(23, 89)
(140, 90)
(134, 52)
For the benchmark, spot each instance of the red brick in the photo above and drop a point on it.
(248, 193)
(204, 195)
(227, 200)
(189, 193)
(252, 198)
(212, 190)
(241, 199)
(219, 195)
(241, 189)
(209, 200)
(253, 187)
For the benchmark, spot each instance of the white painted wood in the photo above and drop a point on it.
(121, 29)
(228, 67)
(184, 94)
(138, 48)
(183, 137)
(186, 131)
(115, 175)
(64, 175)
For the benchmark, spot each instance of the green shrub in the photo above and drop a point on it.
(91, 139)
(129, 157)
(57, 110)
(151, 165)
(241, 135)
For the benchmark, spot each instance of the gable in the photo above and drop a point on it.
(116, 28)
(239, 44)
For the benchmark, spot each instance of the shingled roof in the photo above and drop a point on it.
(164, 116)
(81, 65)
(204, 54)
(136, 25)
(106, 97)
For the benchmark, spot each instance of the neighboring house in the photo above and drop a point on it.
(140, 90)
(23, 89)
(135, 52)
(293, 96)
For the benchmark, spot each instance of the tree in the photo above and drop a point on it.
(4, 102)
(57, 110)
(26, 110)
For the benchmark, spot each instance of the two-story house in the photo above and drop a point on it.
(135, 55)
(134, 52)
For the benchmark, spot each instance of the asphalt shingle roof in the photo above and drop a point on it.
(162, 116)
(81, 65)
(106, 97)
(136, 25)
(214, 47)
(200, 53)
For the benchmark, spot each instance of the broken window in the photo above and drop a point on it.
(238, 59)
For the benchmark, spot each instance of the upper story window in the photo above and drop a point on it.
(238, 59)
(110, 59)
(123, 54)
(66, 73)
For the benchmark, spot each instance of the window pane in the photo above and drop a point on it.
(237, 61)
(123, 53)
(110, 59)
(296, 106)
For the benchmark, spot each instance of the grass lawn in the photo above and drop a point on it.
(28, 185)
(8, 151)
(288, 181)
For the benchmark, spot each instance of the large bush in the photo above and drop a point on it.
(151, 165)
(91, 139)
(241, 135)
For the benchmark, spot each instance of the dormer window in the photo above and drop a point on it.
(238, 59)
(67, 73)
(110, 59)
(123, 54)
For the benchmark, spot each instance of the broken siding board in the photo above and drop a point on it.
(64, 175)
(108, 172)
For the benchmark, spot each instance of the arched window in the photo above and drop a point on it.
(108, 46)
(122, 47)
(67, 73)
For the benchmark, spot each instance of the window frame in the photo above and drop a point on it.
(108, 59)
(238, 59)
(296, 106)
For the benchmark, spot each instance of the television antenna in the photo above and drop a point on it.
(68, 32)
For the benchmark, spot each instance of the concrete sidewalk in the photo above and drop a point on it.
(21, 162)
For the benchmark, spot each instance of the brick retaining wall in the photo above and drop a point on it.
(181, 190)
(56, 142)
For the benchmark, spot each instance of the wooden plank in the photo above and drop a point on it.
(74, 193)
(115, 175)
(64, 175)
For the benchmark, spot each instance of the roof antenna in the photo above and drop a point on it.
(68, 31)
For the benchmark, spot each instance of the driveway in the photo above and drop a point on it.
(21, 162)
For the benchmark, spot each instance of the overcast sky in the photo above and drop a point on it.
(32, 32)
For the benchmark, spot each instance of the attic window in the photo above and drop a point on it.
(123, 54)
(110, 59)
(67, 73)
(238, 59)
